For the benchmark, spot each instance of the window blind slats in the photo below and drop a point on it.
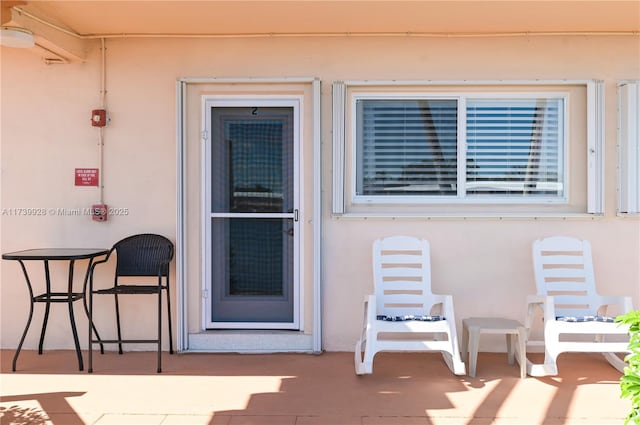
(514, 147)
(407, 147)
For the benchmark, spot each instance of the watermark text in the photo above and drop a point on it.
(59, 211)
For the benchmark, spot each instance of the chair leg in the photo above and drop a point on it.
(118, 324)
(169, 320)
(539, 369)
(90, 315)
(550, 362)
(369, 353)
(159, 329)
(364, 365)
(549, 367)
(615, 361)
(452, 356)
(357, 358)
(613, 358)
(94, 329)
(454, 362)
(551, 352)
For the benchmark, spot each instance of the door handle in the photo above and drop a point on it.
(295, 215)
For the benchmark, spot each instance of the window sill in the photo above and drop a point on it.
(481, 216)
(630, 215)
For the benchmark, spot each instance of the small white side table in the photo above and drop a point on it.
(473, 327)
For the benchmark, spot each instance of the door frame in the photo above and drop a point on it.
(249, 101)
(188, 335)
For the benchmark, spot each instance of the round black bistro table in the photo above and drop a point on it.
(48, 297)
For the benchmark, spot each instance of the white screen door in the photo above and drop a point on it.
(251, 214)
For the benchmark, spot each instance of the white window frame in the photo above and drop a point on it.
(629, 147)
(595, 140)
(462, 197)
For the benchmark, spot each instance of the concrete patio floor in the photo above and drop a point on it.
(302, 389)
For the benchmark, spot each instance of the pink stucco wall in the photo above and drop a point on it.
(483, 262)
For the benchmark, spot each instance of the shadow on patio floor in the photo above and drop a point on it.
(282, 389)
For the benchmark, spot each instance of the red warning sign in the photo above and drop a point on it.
(86, 176)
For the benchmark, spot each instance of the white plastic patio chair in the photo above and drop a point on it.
(404, 306)
(574, 315)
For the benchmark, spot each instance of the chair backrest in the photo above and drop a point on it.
(143, 255)
(563, 268)
(402, 276)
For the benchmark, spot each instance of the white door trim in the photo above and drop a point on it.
(249, 101)
(182, 87)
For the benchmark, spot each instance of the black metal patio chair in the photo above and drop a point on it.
(138, 258)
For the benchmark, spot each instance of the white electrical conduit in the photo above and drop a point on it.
(103, 93)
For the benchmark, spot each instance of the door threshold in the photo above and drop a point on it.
(250, 341)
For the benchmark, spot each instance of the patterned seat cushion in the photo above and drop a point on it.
(586, 319)
(408, 317)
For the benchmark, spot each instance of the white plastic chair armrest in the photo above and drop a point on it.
(622, 301)
(545, 302)
(536, 299)
(441, 299)
(370, 307)
(446, 305)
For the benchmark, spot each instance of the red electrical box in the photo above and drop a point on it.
(98, 118)
(99, 212)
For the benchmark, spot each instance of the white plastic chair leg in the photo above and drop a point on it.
(363, 367)
(454, 363)
(548, 368)
(539, 370)
(615, 361)
(357, 358)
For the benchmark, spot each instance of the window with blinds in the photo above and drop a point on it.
(406, 147)
(514, 147)
(419, 147)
